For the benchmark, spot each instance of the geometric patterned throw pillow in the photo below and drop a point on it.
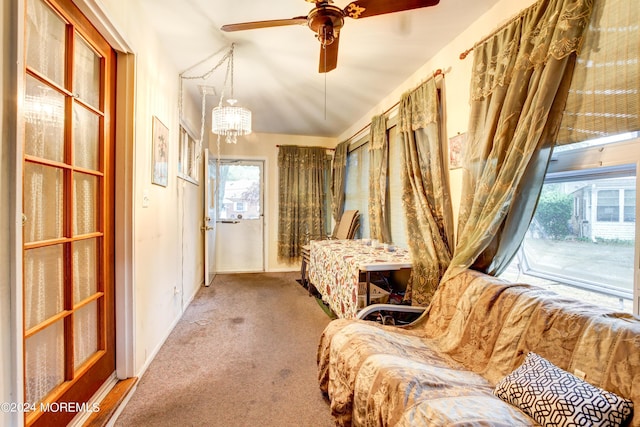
(554, 397)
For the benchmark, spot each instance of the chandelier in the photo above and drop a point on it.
(230, 120)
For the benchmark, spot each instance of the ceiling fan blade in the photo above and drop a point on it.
(298, 20)
(365, 8)
(329, 56)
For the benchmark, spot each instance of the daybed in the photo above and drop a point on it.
(443, 369)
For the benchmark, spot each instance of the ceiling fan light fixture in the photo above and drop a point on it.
(326, 35)
(231, 121)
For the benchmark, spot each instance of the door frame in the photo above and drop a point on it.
(210, 194)
(265, 198)
(124, 197)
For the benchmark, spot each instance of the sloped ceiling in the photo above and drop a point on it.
(276, 69)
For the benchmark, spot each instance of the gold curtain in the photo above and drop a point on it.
(425, 191)
(521, 77)
(378, 171)
(338, 179)
(604, 98)
(301, 197)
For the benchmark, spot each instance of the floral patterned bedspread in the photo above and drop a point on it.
(334, 270)
(441, 370)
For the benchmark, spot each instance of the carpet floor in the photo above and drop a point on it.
(243, 354)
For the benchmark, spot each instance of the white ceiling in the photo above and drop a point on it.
(276, 69)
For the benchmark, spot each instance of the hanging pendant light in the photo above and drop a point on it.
(230, 120)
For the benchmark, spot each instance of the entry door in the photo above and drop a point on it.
(209, 222)
(69, 334)
(240, 217)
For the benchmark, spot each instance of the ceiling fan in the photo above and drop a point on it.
(326, 21)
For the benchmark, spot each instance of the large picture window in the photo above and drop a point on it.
(582, 239)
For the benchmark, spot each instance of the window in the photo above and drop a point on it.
(239, 195)
(582, 239)
(630, 205)
(398, 221)
(357, 186)
(608, 205)
(188, 156)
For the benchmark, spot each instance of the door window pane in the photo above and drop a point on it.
(44, 362)
(85, 274)
(43, 202)
(85, 337)
(85, 193)
(44, 284)
(44, 121)
(86, 138)
(239, 196)
(86, 76)
(45, 41)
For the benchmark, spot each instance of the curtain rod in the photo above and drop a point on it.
(303, 146)
(464, 54)
(436, 73)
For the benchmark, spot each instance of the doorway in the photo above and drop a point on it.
(68, 200)
(240, 216)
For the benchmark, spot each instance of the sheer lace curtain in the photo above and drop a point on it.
(301, 197)
(378, 170)
(338, 179)
(521, 77)
(425, 191)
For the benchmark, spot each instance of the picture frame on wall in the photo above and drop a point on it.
(160, 156)
(188, 155)
(456, 150)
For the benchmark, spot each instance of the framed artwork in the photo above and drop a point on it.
(456, 150)
(160, 161)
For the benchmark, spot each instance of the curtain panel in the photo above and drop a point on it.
(338, 180)
(425, 191)
(301, 209)
(378, 171)
(521, 77)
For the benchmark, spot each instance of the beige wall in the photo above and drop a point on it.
(263, 146)
(167, 241)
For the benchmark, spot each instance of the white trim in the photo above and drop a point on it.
(97, 14)
(124, 208)
(16, 75)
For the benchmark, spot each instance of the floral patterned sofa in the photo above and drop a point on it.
(443, 369)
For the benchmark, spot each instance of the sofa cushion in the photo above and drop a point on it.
(552, 396)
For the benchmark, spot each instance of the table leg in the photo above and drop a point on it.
(368, 274)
